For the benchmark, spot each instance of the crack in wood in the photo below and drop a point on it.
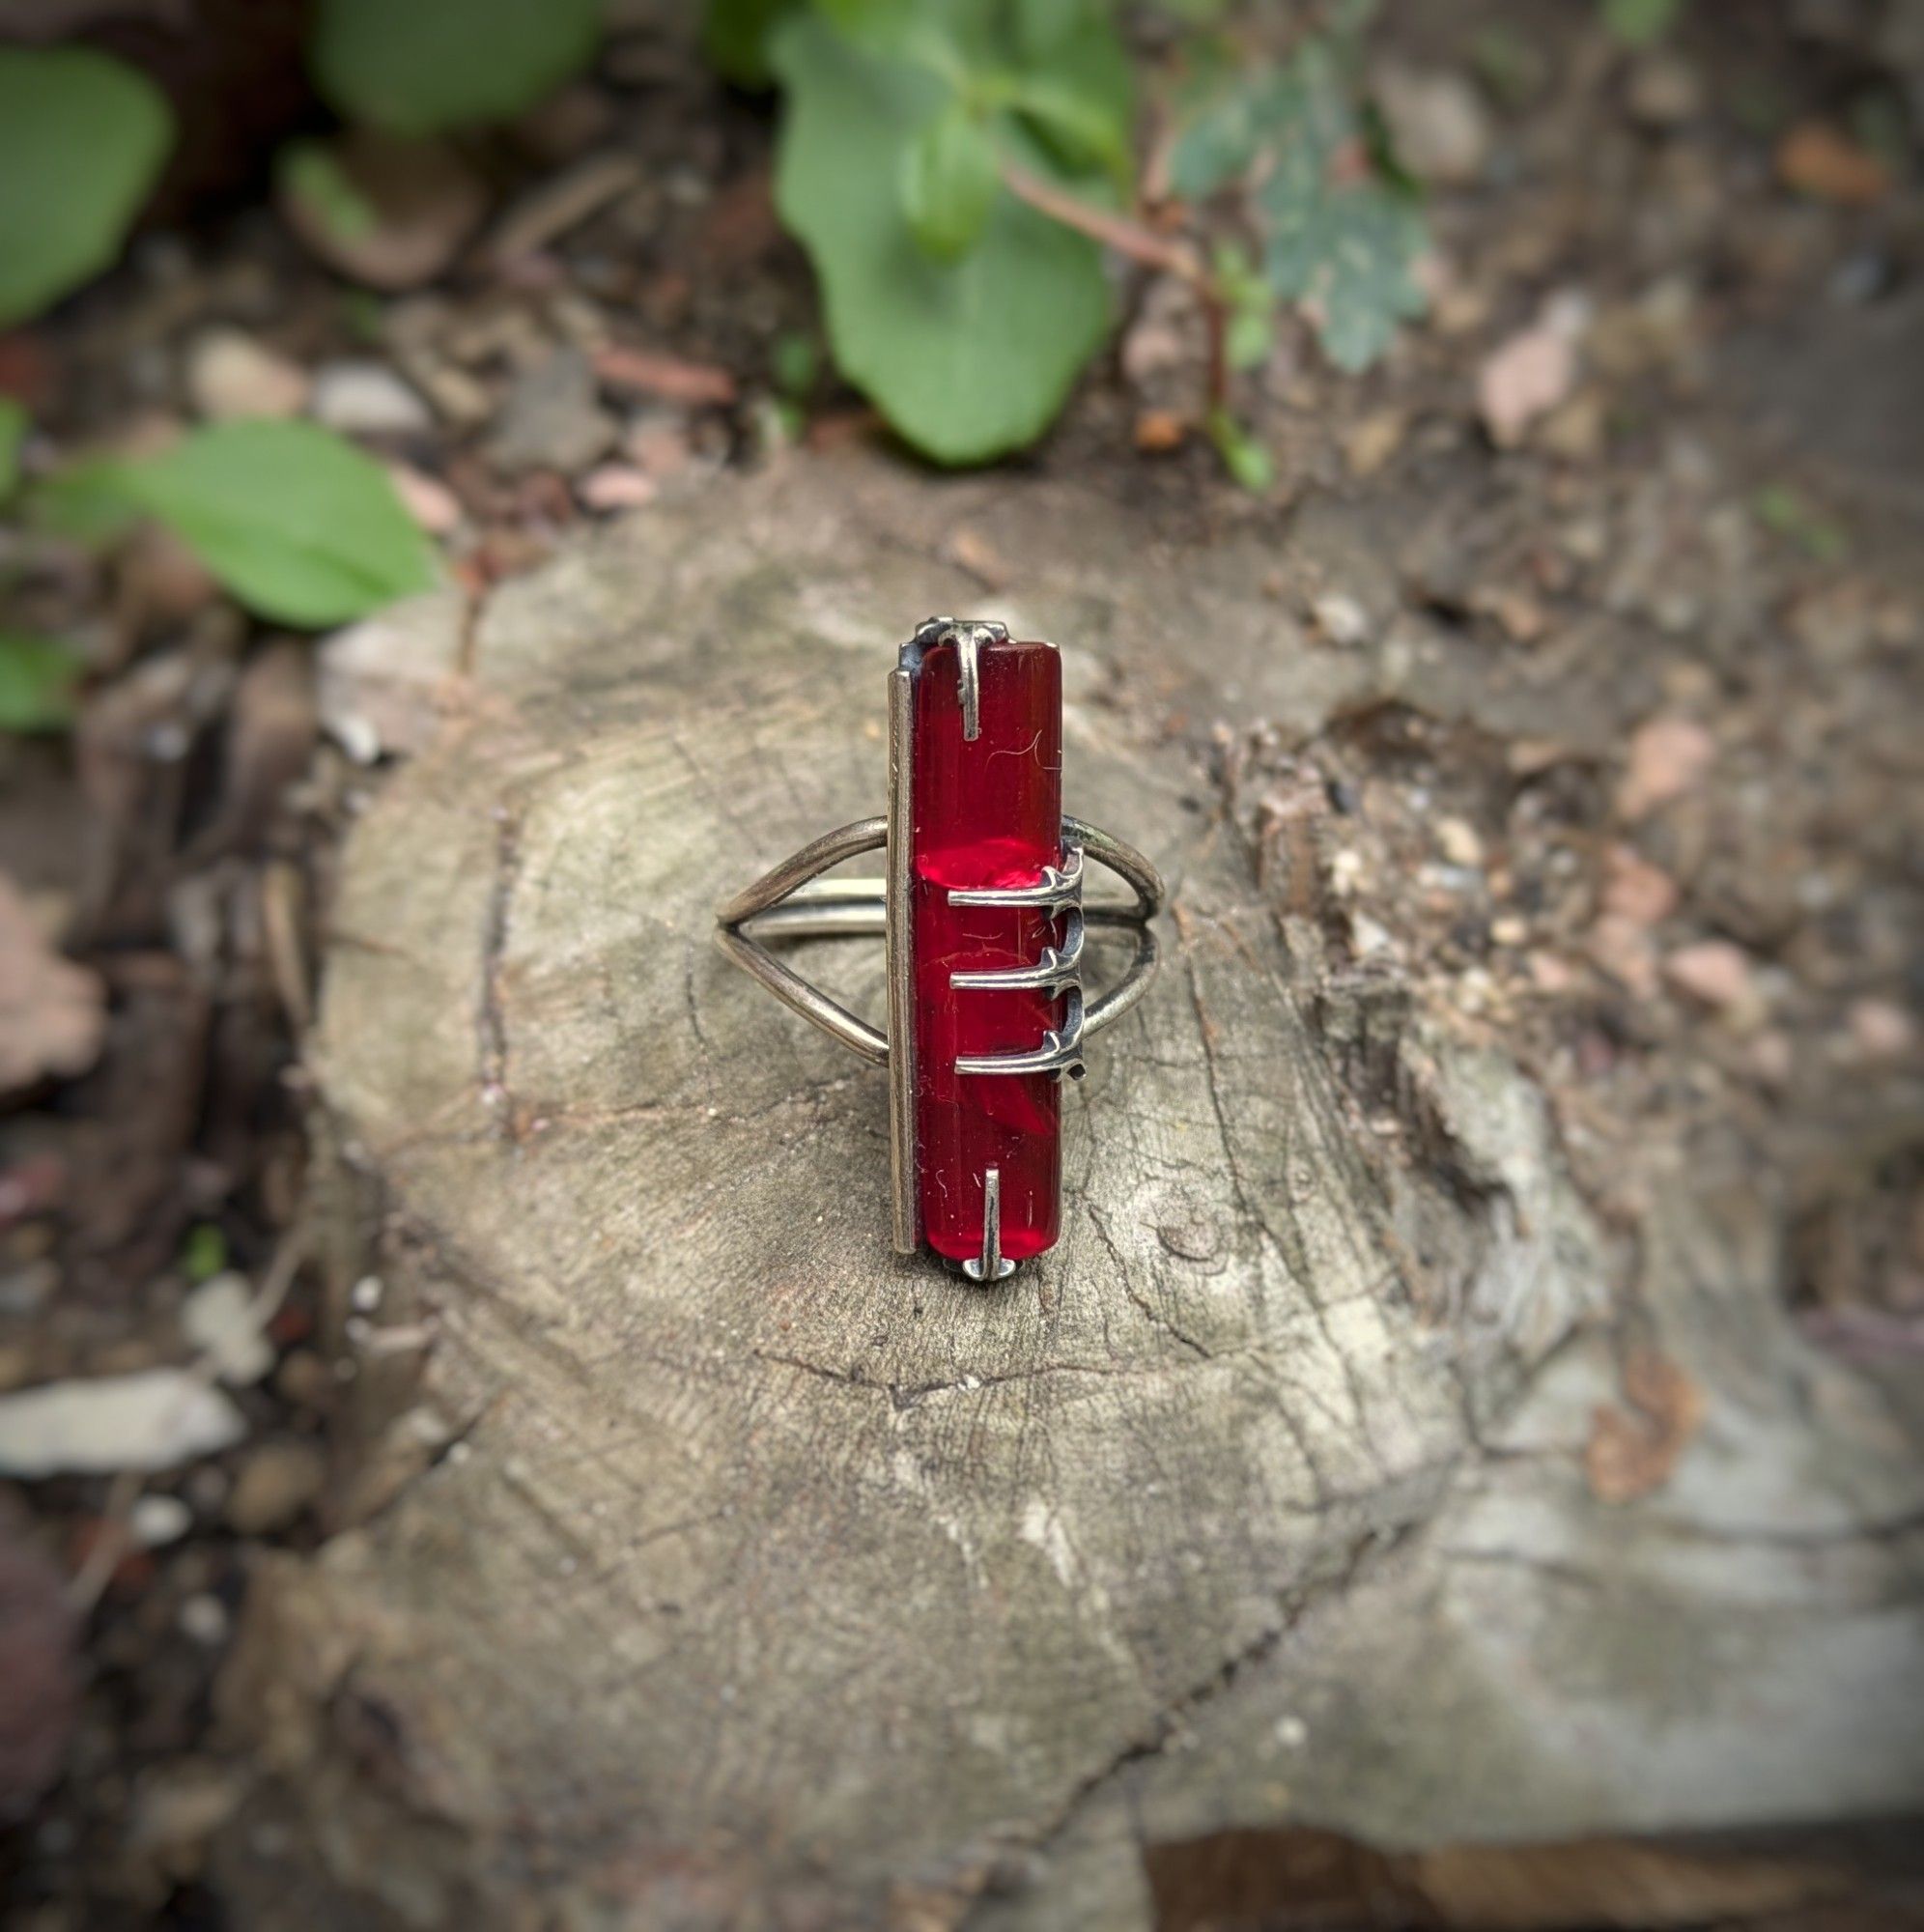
(1366, 1552)
(491, 1020)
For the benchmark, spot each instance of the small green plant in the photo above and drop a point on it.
(13, 439)
(427, 65)
(1245, 458)
(960, 306)
(958, 170)
(1339, 228)
(1787, 513)
(83, 137)
(81, 140)
(311, 173)
(1640, 23)
(295, 523)
(299, 526)
(40, 678)
(204, 1252)
(38, 675)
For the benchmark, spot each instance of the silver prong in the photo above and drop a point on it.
(1059, 888)
(968, 634)
(992, 1265)
(1059, 966)
(969, 675)
(1061, 1051)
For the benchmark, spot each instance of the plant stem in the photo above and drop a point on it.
(1216, 321)
(1114, 230)
(1140, 245)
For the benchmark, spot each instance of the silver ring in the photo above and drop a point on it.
(984, 894)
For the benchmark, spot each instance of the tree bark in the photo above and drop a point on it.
(710, 1565)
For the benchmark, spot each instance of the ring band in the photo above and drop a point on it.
(985, 923)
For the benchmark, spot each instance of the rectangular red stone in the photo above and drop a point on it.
(988, 813)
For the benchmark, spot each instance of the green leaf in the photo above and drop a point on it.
(1251, 304)
(1297, 118)
(796, 364)
(81, 140)
(1080, 99)
(203, 1253)
(1251, 328)
(421, 65)
(13, 434)
(734, 38)
(1221, 137)
(1638, 23)
(949, 182)
(1509, 64)
(1344, 245)
(298, 525)
(1042, 26)
(893, 25)
(1084, 129)
(311, 172)
(1246, 459)
(967, 360)
(1350, 255)
(82, 502)
(1784, 512)
(38, 678)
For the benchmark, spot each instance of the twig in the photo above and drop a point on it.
(1114, 230)
(1144, 246)
(279, 1277)
(116, 1536)
(1216, 321)
(115, 1539)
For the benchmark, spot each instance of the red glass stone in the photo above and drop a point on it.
(988, 813)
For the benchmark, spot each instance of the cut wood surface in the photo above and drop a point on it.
(714, 1566)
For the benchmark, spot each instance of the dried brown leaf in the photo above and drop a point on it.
(1633, 1448)
(1817, 160)
(673, 377)
(52, 1012)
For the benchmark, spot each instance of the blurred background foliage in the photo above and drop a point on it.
(957, 170)
(933, 153)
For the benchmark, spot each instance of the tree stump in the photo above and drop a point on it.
(718, 1567)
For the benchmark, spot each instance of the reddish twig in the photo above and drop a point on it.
(1130, 237)
(1114, 230)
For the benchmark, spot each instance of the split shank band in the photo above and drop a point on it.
(790, 903)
